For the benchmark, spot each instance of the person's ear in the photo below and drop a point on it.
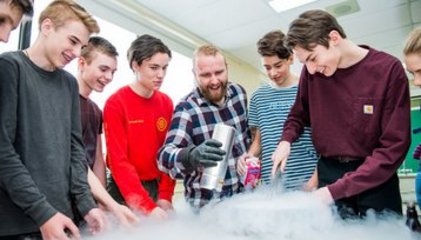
(335, 37)
(291, 59)
(195, 80)
(47, 26)
(81, 63)
(134, 65)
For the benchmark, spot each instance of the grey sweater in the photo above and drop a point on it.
(41, 151)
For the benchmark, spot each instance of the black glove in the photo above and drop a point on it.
(205, 155)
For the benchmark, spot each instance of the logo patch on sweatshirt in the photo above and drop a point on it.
(368, 109)
(161, 124)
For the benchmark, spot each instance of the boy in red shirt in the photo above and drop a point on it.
(136, 119)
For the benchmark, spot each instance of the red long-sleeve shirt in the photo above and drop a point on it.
(361, 111)
(135, 129)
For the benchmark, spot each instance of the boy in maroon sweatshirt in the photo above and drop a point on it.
(356, 100)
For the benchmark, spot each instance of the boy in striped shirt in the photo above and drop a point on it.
(269, 108)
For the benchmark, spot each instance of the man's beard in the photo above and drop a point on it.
(214, 98)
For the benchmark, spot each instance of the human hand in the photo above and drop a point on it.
(165, 205)
(96, 220)
(242, 164)
(205, 155)
(158, 214)
(312, 183)
(324, 195)
(54, 228)
(280, 157)
(124, 215)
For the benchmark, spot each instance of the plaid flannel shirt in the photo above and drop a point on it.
(193, 122)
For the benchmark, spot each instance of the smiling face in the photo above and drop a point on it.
(151, 72)
(212, 77)
(63, 44)
(277, 69)
(320, 59)
(10, 17)
(413, 65)
(98, 72)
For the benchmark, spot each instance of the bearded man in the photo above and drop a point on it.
(188, 148)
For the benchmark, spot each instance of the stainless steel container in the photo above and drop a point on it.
(213, 177)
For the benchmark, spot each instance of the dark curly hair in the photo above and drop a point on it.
(272, 44)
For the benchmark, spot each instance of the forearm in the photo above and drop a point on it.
(99, 166)
(166, 187)
(80, 190)
(99, 172)
(19, 186)
(255, 147)
(299, 115)
(312, 183)
(100, 193)
(177, 145)
(171, 160)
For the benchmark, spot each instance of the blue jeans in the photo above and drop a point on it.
(418, 187)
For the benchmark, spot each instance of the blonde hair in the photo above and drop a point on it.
(61, 11)
(413, 43)
(206, 50)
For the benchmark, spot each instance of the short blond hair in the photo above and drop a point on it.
(61, 11)
(413, 43)
(206, 50)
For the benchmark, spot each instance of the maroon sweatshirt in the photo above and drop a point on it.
(361, 111)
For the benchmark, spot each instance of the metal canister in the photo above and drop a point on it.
(213, 177)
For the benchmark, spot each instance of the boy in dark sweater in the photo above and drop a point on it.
(41, 151)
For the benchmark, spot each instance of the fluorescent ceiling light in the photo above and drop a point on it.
(284, 5)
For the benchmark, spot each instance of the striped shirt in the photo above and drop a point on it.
(193, 122)
(269, 108)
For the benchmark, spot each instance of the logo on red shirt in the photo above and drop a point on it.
(161, 124)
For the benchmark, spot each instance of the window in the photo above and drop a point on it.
(177, 83)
